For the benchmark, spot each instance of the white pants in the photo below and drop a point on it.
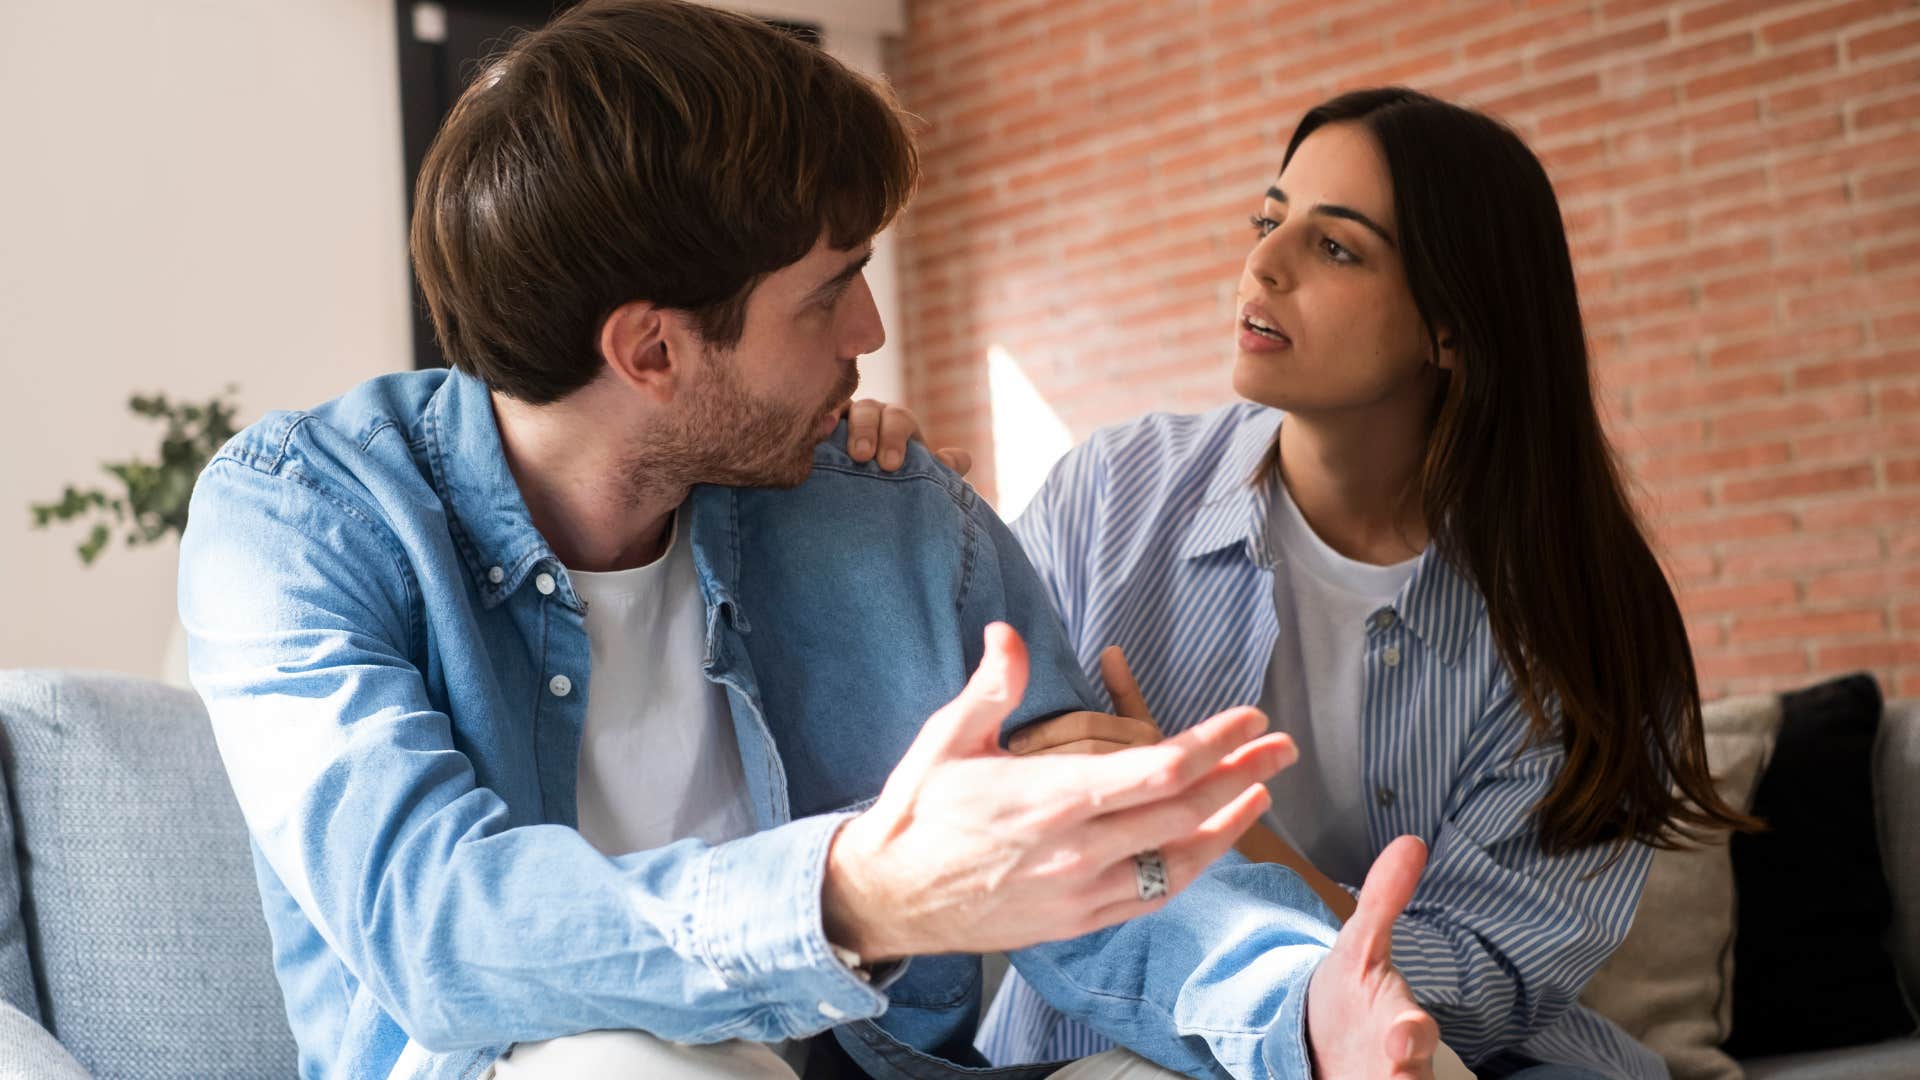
(613, 1055)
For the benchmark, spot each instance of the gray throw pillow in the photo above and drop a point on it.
(141, 913)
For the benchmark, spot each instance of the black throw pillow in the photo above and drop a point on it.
(1810, 965)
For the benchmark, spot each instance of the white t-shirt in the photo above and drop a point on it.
(658, 759)
(1314, 688)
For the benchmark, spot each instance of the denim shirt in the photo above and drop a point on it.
(396, 669)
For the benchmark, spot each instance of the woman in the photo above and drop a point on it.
(1411, 544)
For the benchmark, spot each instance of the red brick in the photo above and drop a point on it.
(1860, 513)
(1716, 461)
(1619, 41)
(1884, 40)
(1778, 348)
(1904, 472)
(1514, 39)
(1806, 625)
(1720, 527)
(1803, 412)
(1725, 11)
(1798, 133)
(1869, 367)
(1857, 657)
(1899, 73)
(1721, 665)
(1771, 70)
(1829, 17)
(1886, 112)
(1802, 554)
(1708, 392)
(1823, 481)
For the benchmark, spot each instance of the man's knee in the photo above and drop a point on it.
(1115, 1065)
(619, 1054)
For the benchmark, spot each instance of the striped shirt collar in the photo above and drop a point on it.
(1438, 603)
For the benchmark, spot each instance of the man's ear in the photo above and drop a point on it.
(634, 345)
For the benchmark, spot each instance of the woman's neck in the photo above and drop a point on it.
(1356, 479)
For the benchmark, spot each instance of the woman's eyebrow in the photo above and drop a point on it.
(1337, 211)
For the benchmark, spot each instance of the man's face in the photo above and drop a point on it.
(752, 414)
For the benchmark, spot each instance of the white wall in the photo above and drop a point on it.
(191, 194)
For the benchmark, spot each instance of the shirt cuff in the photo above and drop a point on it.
(1287, 1055)
(761, 929)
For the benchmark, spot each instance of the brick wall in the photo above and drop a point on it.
(1741, 185)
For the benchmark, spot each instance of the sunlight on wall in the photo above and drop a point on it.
(1028, 436)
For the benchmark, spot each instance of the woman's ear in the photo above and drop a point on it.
(633, 344)
(1445, 356)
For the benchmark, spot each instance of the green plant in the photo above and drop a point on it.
(155, 503)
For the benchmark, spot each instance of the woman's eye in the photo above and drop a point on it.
(1262, 224)
(1334, 251)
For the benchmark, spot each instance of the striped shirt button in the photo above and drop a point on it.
(1384, 620)
(1383, 795)
(1391, 654)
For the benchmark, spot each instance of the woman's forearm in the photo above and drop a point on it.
(1262, 844)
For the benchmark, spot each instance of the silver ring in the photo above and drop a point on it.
(1150, 875)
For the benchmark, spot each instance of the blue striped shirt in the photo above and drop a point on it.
(1151, 536)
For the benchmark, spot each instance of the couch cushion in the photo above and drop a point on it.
(142, 917)
(1811, 968)
(1669, 983)
(28, 1052)
(16, 965)
(1895, 1059)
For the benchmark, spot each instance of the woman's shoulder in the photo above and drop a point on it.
(1169, 452)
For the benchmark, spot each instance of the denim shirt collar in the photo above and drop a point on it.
(493, 529)
(1438, 603)
(491, 525)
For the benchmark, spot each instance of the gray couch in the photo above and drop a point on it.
(131, 940)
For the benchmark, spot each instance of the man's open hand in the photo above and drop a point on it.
(972, 849)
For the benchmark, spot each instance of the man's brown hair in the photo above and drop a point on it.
(640, 150)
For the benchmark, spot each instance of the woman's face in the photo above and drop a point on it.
(1325, 321)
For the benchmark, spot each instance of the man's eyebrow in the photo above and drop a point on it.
(838, 281)
(1337, 211)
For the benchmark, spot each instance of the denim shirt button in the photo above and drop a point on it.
(831, 1013)
(545, 584)
(496, 575)
(560, 685)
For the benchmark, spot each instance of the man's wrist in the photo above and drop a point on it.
(854, 911)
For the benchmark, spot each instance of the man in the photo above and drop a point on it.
(559, 760)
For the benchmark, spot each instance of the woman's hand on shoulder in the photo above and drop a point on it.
(879, 431)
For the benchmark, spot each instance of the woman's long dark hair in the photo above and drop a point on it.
(1520, 488)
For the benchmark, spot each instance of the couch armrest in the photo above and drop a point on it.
(1896, 783)
(29, 1052)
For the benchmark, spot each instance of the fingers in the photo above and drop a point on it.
(1385, 893)
(955, 458)
(969, 725)
(1193, 810)
(1413, 1040)
(897, 425)
(1185, 860)
(1125, 692)
(863, 428)
(1146, 774)
(1069, 728)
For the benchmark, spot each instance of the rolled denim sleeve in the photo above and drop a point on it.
(468, 929)
(1213, 984)
(1501, 936)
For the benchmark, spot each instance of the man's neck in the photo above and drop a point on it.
(1355, 477)
(575, 470)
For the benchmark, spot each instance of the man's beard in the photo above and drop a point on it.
(725, 434)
